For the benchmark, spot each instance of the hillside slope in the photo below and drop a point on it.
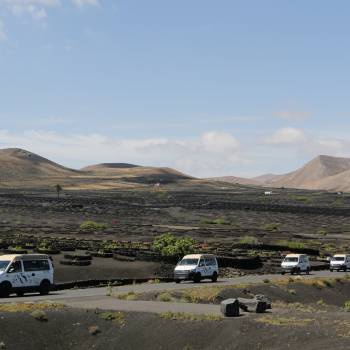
(136, 173)
(310, 176)
(19, 164)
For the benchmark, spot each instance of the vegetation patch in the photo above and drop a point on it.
(169, 245)
(90, 225)
(116, 317)
(128, 296)
(285, 321)
(248, 240)
(181, 316)
(30, 307)
(39, 315)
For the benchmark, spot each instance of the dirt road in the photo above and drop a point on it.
(91, 298)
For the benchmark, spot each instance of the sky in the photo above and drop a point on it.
(211, 88)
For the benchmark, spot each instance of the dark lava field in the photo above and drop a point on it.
(232, 221)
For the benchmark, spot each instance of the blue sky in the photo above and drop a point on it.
(212, 88)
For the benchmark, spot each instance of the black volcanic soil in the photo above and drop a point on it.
(318, 220)
(68, 329)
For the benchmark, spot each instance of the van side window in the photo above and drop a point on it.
(201, 262)
(36, 265)
(210, 262)
(15, 267)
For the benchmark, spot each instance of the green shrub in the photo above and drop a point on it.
(347, 306)
(219, 221)
(248, 240)
(165, 297)
(272, 227)
(169, 245)
(93, 226)
(39, 315)
(303, 199)
(291, 244)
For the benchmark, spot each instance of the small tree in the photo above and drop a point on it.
(59, 189)
(168, 245)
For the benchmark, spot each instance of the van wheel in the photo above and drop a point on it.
(19, 294)
(308, 271)
(197, 277)
(177, 281)
(5, 289)
(44, 288)
(214, 277)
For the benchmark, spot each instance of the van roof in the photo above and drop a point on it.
(340, 255)
(295, 255)
(23, 256)
(198, 256)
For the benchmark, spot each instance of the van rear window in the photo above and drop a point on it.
(36, 265)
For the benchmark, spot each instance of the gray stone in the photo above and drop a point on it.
(230, 307)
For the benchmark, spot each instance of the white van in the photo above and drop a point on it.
(295, 263)
(340, 262)
(25, 273)
(197, 267)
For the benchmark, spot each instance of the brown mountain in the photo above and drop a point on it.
(18, 164)
(321, 173)
(136, 173)
(236, 180)
(314, 174)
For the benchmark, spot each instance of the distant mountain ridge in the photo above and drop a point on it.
(321, 173)
(16, 163)
(21, 168)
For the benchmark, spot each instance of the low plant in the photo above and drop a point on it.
(39, 315)
(181, 316)
(248, 240)
(272, 227)
(347, 306)
(165, 297)
(117, 317)
(127, 296)
(90, 225)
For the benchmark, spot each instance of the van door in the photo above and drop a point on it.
(15, 276)
(302, 263)
(36, 270)
(202, 268)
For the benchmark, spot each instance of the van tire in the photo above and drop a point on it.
(197, 277)
(20, 294)
(177, 281)
(308, 271)
(5, 289)
(45, 287)
(214, 277)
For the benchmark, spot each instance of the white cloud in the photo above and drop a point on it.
(210, 154)
(37, 9)
(82, 3)
(286, 136)
(292, 115)
(305, 145)
(3, 36)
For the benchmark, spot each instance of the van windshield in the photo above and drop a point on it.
(3, 265)
(291, 259)
(338, 258)
(188, 262)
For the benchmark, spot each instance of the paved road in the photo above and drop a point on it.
(92, 298)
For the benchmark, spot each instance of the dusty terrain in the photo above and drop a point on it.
(233, 221)
(321, 173)
(311, 312)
